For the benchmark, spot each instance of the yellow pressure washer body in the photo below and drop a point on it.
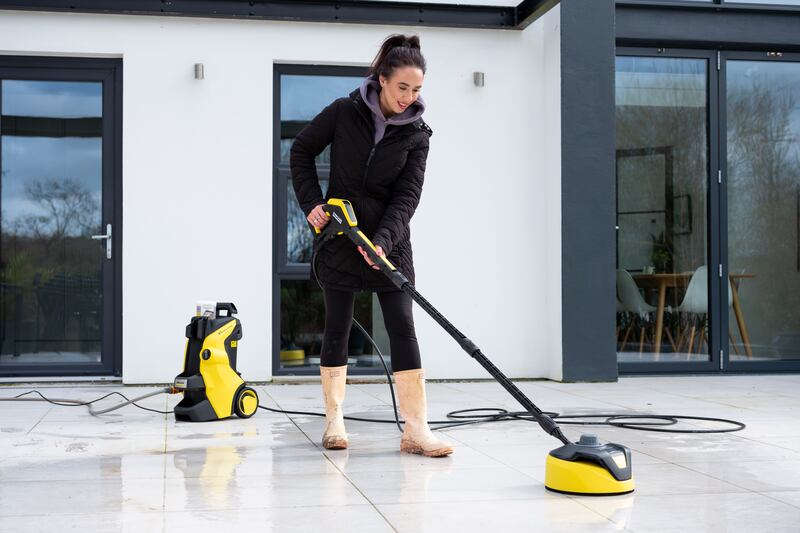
(211, 386)
(584, 467)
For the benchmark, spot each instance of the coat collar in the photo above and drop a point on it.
(366, 114)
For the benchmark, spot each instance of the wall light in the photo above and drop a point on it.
(477, 78)
(199, 73)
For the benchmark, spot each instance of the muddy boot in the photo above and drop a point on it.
(417, 437)
(333, 383)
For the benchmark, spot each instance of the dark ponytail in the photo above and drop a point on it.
(397, 51)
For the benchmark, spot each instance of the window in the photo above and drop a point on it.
(301, 92)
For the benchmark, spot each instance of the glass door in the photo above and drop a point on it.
(761, 151)
(708, 210)
(59, 241)
(664, 162)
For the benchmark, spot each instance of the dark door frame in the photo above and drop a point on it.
(109, 72)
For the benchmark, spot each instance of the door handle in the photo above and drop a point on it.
(107, 237)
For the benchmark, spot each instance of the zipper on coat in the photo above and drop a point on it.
(369, 160)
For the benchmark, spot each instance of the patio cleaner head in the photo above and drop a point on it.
(584, 467)
(211, 386)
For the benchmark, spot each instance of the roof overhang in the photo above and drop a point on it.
(347, 11)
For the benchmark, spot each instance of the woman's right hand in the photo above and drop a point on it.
(318, 217)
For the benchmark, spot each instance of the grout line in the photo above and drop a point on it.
(327, 458)
(164, 456)
(773, 498)
(40, 420)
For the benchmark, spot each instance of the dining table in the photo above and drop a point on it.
(665, 280)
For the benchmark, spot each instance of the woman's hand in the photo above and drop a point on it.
(378, 250)
(318, 217)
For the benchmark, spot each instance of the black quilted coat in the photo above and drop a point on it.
(383, 181)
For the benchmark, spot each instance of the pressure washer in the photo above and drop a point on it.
(583, 467)
(211, 386)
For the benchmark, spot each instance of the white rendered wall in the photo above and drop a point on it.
(553, 352)
(197, 174)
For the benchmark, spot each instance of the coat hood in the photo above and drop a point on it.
(370, 92)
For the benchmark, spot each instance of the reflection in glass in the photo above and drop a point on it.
(51, 181)
(298, 235)
(302, 98)
(773, 2)
(662, 155)
(763, 191)
(303, 321)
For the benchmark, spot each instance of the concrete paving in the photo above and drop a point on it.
(133, 470)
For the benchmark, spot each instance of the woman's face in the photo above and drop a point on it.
(401, 89)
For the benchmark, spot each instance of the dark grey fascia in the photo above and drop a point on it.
(725, 26)
(350, 11)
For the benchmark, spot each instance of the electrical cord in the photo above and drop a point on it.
(466, 416)
(69, 402)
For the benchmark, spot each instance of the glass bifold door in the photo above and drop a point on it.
(708, 210)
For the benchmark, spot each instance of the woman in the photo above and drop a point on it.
(379, 145)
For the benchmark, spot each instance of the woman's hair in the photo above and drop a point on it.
(397, 51)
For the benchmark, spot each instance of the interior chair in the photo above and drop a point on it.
(695, 302)
(631, 300)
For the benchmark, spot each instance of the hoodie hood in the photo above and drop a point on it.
(370, 92)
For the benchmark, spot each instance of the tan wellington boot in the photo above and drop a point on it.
(417, 436)
(333, 384)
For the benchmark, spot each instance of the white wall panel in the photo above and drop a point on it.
(197, 171)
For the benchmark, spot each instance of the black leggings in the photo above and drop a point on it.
(397, 317)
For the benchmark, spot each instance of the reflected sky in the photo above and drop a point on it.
(54, 99)
(26, 160)
(302, 97)
(660, 81)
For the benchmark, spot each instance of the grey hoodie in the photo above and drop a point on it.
(370, 93)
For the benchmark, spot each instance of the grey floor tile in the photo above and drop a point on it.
(697, 512)
(535, 515)
(47, 497)
(138, 471)
(231, 492)
(758, 476)
(465, 485)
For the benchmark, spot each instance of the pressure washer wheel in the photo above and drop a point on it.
(246, 403)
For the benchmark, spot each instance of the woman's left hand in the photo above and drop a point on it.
(378, 250)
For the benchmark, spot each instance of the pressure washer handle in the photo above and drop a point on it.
(359, 239)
